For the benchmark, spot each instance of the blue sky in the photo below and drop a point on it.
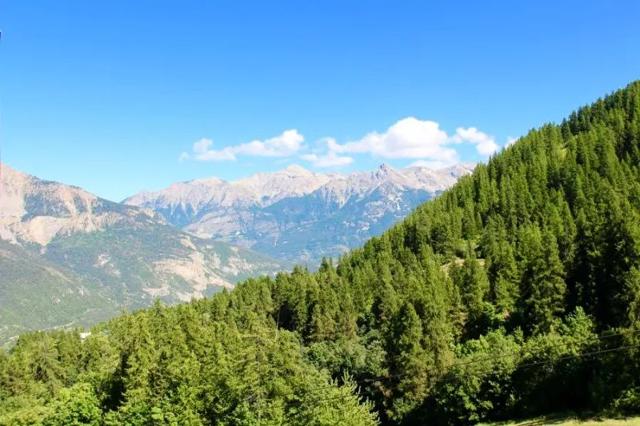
(120, 96)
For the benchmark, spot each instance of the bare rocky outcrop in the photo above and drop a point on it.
(295, 214)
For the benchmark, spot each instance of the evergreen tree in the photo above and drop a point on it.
(542, 287)
(408, 362)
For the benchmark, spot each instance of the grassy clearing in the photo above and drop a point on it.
(569, 421)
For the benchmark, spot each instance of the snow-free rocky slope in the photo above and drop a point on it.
(295, 214)
(68, 257)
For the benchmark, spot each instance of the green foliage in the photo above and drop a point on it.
(542, 287)
(480, 384)
(77, 405)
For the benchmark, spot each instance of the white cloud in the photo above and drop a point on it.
(202, 146)
(485, 144)
(331, 159)
(408, 138)
(283, 145)
(324, 156)
(412, 138)
(434, 165)
(202, 151)
(511, 141)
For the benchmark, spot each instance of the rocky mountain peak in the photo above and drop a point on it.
(287, 214)
(385, 168)
(62, 244)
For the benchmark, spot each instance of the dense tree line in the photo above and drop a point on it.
(517, 292)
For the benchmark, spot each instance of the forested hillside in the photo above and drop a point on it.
(515, 293)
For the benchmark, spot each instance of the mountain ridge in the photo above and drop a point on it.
(256, 212)
(87, 251)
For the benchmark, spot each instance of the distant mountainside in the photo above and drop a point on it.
(69, 257)
(295, 214)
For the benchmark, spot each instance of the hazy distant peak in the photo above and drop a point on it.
(385, 171)
(297, 214)
(37, 211)
(211, 181)
(263, 189)
(296, 169)
(385, 168)
(11, 176)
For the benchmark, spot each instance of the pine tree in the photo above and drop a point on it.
(408, 362)
(542, 286)
(632, 297)
(471, 280)
(502, 271)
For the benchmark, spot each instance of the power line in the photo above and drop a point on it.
(510, 354)
(514, 354)
(532, 364)
(580, 355)
(476, 361)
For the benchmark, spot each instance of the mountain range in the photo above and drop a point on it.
(69, 257)
(296, 215)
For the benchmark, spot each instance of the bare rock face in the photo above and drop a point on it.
(68, 257)
(37, 211)
(295, 214)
